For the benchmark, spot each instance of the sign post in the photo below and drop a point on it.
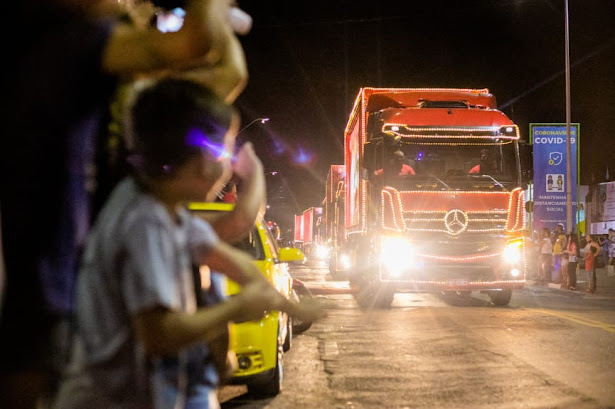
(550, 207)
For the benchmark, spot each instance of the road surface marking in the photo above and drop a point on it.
(579, 320)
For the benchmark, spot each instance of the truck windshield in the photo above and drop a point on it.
(456, 163)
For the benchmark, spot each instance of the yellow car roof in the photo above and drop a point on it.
(211, 206)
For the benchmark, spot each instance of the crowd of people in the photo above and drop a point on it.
(561, 256)
(99, 302)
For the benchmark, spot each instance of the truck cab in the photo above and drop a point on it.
(434, 196)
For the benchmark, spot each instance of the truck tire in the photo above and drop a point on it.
(500, 298)
(333, 270)
(369, 295)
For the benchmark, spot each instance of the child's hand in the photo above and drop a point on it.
(259, 297)
(308, 309)
(246, 162)
(240, 20)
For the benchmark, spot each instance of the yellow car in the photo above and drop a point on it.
(260, 345)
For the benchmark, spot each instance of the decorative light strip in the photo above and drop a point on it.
(467, 211)
(467, 132)
(461, 259)
(450, 192)
(517, 224)
(502, 143)
(517, 213)
(429, 90)
(448, 283)
(393, 213)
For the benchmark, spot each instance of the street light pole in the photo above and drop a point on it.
(261, 120)
(569, 221)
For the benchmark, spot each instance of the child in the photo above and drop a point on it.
(590, 267)
(137, 318)
(546, 256)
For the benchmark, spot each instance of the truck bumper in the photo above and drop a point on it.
(455, 278)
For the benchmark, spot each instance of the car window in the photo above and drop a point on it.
(272, 243)
(252, 245)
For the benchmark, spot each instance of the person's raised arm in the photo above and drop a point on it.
(228, 77)
(163, 331)
(239, 267)
(233, 226)
(132, 49)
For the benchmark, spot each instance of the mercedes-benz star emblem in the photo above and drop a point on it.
(456, 221)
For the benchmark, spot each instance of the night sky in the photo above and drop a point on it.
(308, 59)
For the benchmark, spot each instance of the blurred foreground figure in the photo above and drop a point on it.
(65, 66)
(139, 329)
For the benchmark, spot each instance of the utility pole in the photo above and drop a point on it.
(569, 220)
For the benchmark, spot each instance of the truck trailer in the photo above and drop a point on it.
(430, 197)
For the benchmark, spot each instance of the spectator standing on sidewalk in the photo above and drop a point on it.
(559, 246)
(604, 243)
(546, 256)
(610, 265)
(573, 252)
(592, 250)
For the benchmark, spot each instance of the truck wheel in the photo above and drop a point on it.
(333, 263)
(334, 270)
(500, 298)
(374, 295)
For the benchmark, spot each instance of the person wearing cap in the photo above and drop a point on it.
(485, 164)
(396, 166)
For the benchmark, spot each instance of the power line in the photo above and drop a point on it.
(606, 45)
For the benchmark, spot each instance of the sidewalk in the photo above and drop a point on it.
(605, 283)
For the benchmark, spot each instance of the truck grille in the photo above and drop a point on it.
(436, 221)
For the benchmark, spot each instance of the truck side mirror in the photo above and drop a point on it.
(527, 162)
(368, 159)
(529, 206)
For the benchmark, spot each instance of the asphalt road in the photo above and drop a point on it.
(549, 348)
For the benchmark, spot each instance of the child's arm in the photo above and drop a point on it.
(164, 331)
(234, 225)
(240, 267)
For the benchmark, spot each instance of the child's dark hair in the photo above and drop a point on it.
(174, 119)
(593, 249)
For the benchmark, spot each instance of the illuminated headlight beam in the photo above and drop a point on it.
(397, 255)
(322, 252)
(512, 253)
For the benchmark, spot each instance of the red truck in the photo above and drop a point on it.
(430, 197)
(309, 232)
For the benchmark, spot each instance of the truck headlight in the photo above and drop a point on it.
(322, 251)
(344, 261)
(512, 252)
(397, 255)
